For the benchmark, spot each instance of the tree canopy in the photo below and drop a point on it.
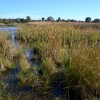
(88, 19)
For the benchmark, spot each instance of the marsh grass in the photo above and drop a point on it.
(69, 54)
(6, 61)
(71, 51)
(28, 77)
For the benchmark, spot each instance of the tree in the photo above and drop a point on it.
(72, 20)
(23, 20)
(68, 20)
(63, 20)
(13, 20)
(28, 19)
(5, 21)
(88, 19)
(10, 20)
(50, 18)
(96, 20)
(59, 19)
(17, 20)
(43, 19)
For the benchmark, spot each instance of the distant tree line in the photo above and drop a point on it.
(88, 19)
(17, 20)
(50, 18)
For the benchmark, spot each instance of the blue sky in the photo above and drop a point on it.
(36, 9)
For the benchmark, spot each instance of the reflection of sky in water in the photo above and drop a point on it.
(30, 54)
(12, 30)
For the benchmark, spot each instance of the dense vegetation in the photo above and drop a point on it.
(69, 55)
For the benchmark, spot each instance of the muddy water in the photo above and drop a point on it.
(10, 77)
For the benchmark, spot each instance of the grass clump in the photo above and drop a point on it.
(48, 66)
(28, 77)
(83, 70)
(6, 61)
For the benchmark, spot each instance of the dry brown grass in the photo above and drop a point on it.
(65, 23)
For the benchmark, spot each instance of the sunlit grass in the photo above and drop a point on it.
(70, 52)
(73, 51)
(6, 61)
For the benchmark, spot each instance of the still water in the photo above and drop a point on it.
(10, 29)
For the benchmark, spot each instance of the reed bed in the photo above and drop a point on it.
(72, 52)
(68, 54)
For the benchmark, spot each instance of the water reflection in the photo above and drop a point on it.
(11, 30)
(30, 55)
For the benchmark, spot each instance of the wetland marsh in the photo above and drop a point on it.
(50, 62)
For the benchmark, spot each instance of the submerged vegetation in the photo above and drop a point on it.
(68, 55)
